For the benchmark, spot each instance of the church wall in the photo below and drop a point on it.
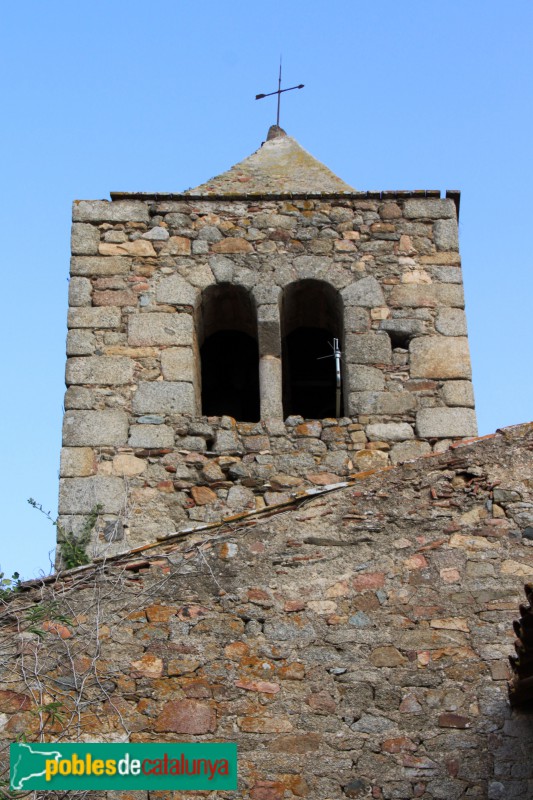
(354, 646)
(134, 437)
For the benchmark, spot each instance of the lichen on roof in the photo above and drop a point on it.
(280, 166)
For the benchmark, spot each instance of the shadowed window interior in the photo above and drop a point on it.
(311, 319)
(229, 353)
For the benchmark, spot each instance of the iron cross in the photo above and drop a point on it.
(278, 92)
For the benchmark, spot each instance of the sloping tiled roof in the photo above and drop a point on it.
(280, 166)
(512, 434)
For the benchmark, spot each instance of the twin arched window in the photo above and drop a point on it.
(229, 353)
(310, 319)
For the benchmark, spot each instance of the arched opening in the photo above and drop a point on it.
(227, 335)
(311, 320)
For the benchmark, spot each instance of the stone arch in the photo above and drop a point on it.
(311, 317)
(228, 374)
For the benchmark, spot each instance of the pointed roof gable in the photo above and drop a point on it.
(280, 166)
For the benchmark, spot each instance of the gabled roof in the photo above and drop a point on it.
(280, 166)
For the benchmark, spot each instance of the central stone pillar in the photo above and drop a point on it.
(270, 387)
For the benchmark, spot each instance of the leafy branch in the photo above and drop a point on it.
(72, 547)
(8, 586)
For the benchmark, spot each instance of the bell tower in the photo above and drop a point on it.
(203, 331)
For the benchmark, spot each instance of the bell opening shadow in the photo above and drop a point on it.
(311, 321)
(229, 354)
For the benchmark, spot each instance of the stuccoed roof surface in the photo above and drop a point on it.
(280, 166)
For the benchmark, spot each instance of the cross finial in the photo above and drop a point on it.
(279, 92)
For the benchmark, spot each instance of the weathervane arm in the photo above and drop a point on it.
(300, 86)
(279, 91)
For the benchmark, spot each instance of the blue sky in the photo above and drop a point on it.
(116, 96)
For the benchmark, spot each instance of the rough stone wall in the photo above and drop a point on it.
(354, 646)
(134, 437)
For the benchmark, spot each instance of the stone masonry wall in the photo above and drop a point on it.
(134, 438)
(354, 646)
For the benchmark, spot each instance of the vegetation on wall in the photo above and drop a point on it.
(72, 547)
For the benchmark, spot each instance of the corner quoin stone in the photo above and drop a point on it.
(99, 265)
(77, 462)
(458, 393)
(427, 295)
(446, 423)
(79, 397)
(85, 239)
(102, 370)
(81, 495)
(440, 357)
(451, 321)
(79, 291)
(425, 208)
(106, 211)
(80, 342)
(94, 317)
(445, 234)
(91, 428)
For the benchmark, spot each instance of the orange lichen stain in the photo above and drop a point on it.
(56, 627)
(236, 650)
(265, 687)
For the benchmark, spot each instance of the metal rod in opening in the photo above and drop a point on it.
(338, 378)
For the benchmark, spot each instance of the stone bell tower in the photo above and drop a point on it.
(201, 376)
